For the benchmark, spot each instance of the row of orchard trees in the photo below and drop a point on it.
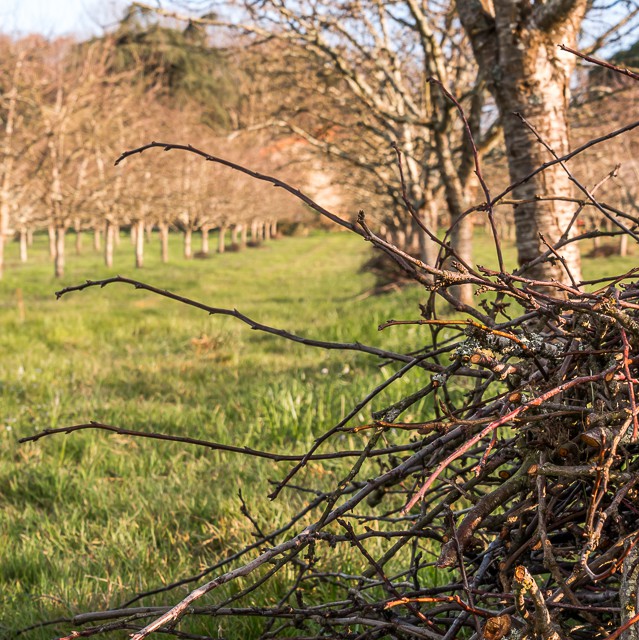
(67, 111)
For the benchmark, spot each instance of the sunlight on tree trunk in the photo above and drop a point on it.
(188, 236)
(139, 244)
(205, 240)
(59, 252)
(109, 231)
(221, 239)
(164, 242)
(23, 245)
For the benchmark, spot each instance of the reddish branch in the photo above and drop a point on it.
(517, 455)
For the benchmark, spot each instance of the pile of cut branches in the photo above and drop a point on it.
(524, 479)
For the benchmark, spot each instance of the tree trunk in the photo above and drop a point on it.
(23, 244)
(274, 229)
(221, 240)
(149, 233)
(244, 236)
(116, 234)
(623, 245)
(52, 250)
(266, 230)
(254, 230)
(205, 240)
(188, 236)
(4, 225)
(109, 231)
(2, 244)
(139, 243)
(528, 74)
(164, 241)
(234, 234)
(461, 237)
(427, 248)
(78, 237)
(59, 252)
(96, 238)
(30, 236)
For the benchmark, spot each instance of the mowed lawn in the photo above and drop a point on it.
(89, 519)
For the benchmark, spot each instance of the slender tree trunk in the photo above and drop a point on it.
(96, 238)
(623, 245)
(267, 230)
(234, 234)
(134, 233)
(427, 248)
(78, 240)
(205, 240)
(30, 236)
(7, 153)
(221, 240)
(23, 244)
(244, 236)
(461, 237)
(188, 244)
(109, 231)
(254, 230)
(164, 241)
(139, 243)
(274, 229)
(149, 233)
(116, 234)
(2, 244)
(51, 231)
(59, 252)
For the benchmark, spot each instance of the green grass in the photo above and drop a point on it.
(89, 519)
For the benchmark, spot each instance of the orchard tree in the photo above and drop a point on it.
(351, 79)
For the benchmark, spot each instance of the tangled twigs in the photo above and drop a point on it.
(516, 476)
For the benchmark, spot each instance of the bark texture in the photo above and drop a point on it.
(516, 44)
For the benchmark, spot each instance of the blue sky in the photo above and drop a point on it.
(58, 17)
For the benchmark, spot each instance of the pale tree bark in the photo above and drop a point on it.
(221, 239)
(59, 260)
(428, 217)
(517, 46)
(205, 240)
(96, 238)
(139, 243)
(188, 243)
(77, 227)
(51, 233)
(164, 241)
(8, 160)
(234, 234)
(274, 229)
(244, 236)
(23, 244)
(109, 231)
